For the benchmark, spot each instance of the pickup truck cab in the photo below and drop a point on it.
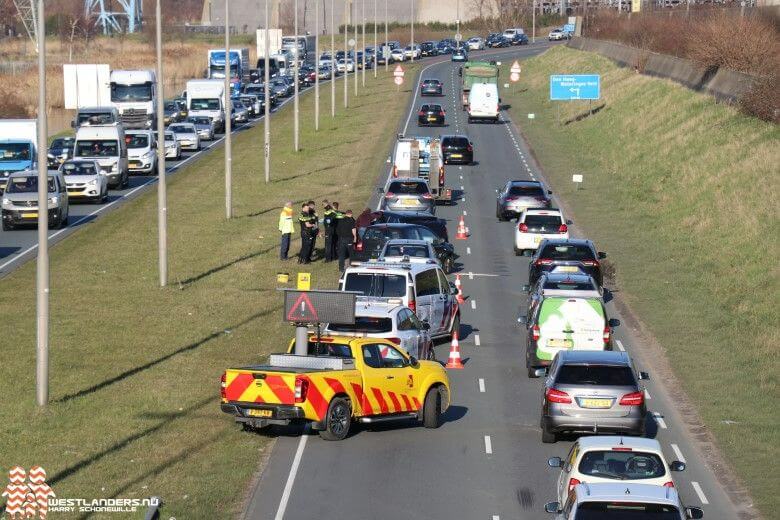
(340, 381)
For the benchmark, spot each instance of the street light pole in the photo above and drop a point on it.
(42, 267)
(228, 113)
(316, 66)
(295, 71)
(267, 95)
(375, 41)
(332, 59)
(346, 54)
(387, 60)
(533, 18)
(355, 61)
(412, 32)
(162, 197)
(363, 74)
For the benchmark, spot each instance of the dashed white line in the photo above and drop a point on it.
(702, 496)
(481, 385)
(473, 304)
(495, 517)
(488, 445)
(659, 419)
(476, 340)
(468, 250)
(465, 213)
(291, 477)
(620, 345)
(678, 453)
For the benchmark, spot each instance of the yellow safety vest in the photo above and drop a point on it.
(286, 221)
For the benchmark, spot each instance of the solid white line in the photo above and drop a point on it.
(473, 304)
(647, 394)
(468, 250)
(482, 385)
(488, 445)
(476, 340)
(620, 345)
(291, 477)
(678, 453)
(702, 496)
(659, 419)
(465, 213)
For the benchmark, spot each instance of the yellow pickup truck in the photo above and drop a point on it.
(341, 380)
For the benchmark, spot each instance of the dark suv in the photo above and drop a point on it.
(431, 87)
(457, 149)
(374, 238)
(569, 255)
(421, 218)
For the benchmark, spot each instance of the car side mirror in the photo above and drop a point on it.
(413, 362)
(644, 376)
(549, 192)
(614, 322)
(553, 507)
(380, 190)
(522, 319)
(694, 513)
(677, 466)
(554, 462)
(525, 288)
(453, 289)
(569, 222)
(73, 124)
(541, 372)
(602, 255)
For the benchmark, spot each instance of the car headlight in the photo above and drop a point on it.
(115, 167)
(93, 182)
(53, 200)
(6, 202)
(149, 154)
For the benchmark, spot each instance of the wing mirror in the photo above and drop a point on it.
(694, 513)
(522, 319)
(677, 466)
(554, 462)
(644, 376)
(541, 372)
(413, 362)
(426, 325)
(602, 255)
(525, 288)
(555, 507)
(614, 322)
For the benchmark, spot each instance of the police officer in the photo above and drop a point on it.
(307, 243)
(314, 229)
(329, 223)
(345, 229)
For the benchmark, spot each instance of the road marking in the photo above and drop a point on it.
(473, 304)
(291, 477)
(620, 345)
(488, 445)
(468, 250)
(465, 213)
(659, 419)
(678, 453)
(495, 517)
(461, 177)
(482, 385)
(647, 394)
(471, 275)
(476, 340)
(702, 496)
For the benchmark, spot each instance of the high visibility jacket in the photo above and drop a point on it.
(286, 221)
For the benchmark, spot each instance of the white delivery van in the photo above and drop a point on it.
(484, 103)
(106, 145)
(206, 97)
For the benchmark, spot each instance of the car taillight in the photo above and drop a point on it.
(498, 108)
(669, 484)
(536, 332)
(607, 334)
(389, 195)
(633, 399)
(590, 263)
(420, 113)
(544, 261)
(395, 171)
(301, 388)
(563, 228)
(397, 341)
(359, 246)
(556, 396)
(470, 148)
(573, 482)
(222, 386)
(427, 196)
(522, 228)
(441, 113)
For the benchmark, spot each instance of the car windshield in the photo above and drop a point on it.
(526, 191)
(180, 129)
(171, 106)
(412, 251)
(205, 104)
(626, 511)
(543, 222)
(142, 92)
(408, 188)
(602, 375)
(26, 184)
(569, 286)
(365, 324)
(622, 465)
(95, 118)
(376, 284)
(455, 142)
(79, 168)
(97, 148)
(12, 152)
(567, 252)
(58, 144)
(200, 121)
(137, 141)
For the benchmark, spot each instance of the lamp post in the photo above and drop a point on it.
(162, 196)
(228, 114)
(296, 59)
(332, 60)
(42, 266)
(267, 94)
(316, 66)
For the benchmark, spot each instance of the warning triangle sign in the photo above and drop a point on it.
(303, 311)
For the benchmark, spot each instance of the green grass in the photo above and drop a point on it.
(134, 368)
(682, 192)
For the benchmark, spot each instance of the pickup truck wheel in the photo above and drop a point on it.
(337, 420)
(432, 409)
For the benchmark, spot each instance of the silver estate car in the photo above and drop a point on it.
(516, 196)
(592, 391)
(204, 125)
(187, 136)
(409, 194)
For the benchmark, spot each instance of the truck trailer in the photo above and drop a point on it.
(477, 72)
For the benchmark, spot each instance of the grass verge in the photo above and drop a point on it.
(682, 193)
(134, 368)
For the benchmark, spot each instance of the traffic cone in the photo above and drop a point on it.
(461, 234)
(454, 360)
(459, 297)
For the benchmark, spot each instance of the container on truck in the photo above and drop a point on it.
(18, 147)
(134, 94)
(301, 50)
(206, 97)
(86, 85)
(239, 66)
(477, 72)
(105, 144)
(420, 157)
(274, 42)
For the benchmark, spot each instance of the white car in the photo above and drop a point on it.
(187, 136)
(84, 180)
(141, 152)
(412, 51)
(398, 54)
(413, 251)
(534, 225)
(475, 44)
(345, 65)
(558, 34)
(616, 459)
(391, 321)
(172, 146)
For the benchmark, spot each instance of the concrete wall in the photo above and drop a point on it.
(722, 83)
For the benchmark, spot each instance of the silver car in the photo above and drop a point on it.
(239, 113)
(20, 200)
(187, 136)
(516, 196)
(172, 146)
(204, 125)
(252, 103)
(412, 251)
(84, 180)
(594, 392)
(412, 194)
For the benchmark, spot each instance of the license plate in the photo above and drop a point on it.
(252, 412)
(134, 164)
(537, 239)
(408, 202)
(431, 119)
(457, 156)
(595, 403)
(560, 343)
(568, 269)
(30, 215)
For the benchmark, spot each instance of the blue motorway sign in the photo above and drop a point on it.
(569, 28)
(566, 87)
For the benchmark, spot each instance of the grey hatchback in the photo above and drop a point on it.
(515, 196)
(593, 392)
(409, 194)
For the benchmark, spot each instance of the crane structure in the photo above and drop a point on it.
(128, 18)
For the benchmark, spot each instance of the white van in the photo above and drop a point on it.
(424, 288)
(484, 103)
(511, 33)
(106, 145)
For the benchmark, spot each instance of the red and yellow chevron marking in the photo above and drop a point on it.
(17, 475)
(37, 475)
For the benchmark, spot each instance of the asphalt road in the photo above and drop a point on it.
(487, 461)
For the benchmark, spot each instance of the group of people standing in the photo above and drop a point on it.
(338, 228)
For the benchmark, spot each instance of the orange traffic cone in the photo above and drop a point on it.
(459, 297)
(454, 360)
(461, 234)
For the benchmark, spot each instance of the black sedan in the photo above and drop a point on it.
(430, 115)
(375, 236)
(496, 41)
(457, 149)
(566, 256)
(431, 87)
(421, 218)
(520, 39)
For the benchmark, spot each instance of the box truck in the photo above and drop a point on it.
(239, 66)
(206, 97)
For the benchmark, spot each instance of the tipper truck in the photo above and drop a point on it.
(18, 147)
(477, 72)
(206, 97)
